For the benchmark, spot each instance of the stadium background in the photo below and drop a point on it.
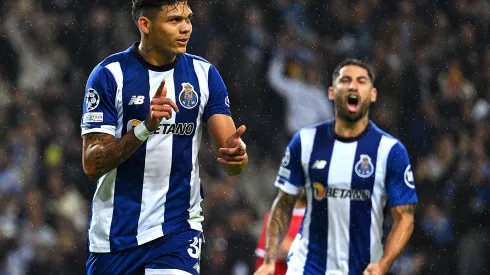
(433, 64)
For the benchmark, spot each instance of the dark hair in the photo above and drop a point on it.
(356, 62)
(150, 7)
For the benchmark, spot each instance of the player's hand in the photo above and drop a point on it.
(375, 269)
(160, 107)
(266, 269)
(235, 151)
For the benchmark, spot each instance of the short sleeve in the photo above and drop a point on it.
(99, 105)
(290, 177)
(400, 185)
(218, 102)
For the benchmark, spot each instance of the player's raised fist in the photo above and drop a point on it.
(160, 107)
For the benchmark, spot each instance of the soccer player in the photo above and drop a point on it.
(350, 170)
(143, 116)
(297, 218)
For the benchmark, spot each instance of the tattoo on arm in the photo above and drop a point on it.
(102, 152)
(280, 217)
(408, 209)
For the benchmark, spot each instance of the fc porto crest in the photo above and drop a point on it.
(364, 167)
(188, 97)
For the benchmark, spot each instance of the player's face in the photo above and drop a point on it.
(171, 29)
(352, 93)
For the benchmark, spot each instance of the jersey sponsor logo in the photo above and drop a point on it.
(320, 193)
(364, 167)
(319, 164)
(188, 97)
(408, 177)
(93, 117)
(136, 100)
(92, 99)
(227, 101)
(286, 158)
(181, 129)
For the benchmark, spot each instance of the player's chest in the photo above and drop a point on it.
(137, 94)
(343, 170)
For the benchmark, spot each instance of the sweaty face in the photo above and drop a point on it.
(171, 29)
(352, 93)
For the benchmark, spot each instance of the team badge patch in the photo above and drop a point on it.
(408, 177)
(188, 97)
(92, 99)
(364, 167)
(286, 158)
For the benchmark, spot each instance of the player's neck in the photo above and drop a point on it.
(152, 56)
(347, 129)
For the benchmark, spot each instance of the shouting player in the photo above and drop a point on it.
(350, 170)
(143, 117)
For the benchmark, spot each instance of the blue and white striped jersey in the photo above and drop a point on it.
(348, 183)
(157, 190)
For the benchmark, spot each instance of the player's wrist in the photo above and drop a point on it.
(142, 132)
(384, 265)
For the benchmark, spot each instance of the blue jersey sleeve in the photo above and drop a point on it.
(400, 185)
(99, 104)
(218, 102)
(290, 177)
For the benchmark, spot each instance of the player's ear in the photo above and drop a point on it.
(374, 94)
(331, 93)
(144, 24)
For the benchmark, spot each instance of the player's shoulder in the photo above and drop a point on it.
(106, 65)
(310, 132)
(198, 63)
(195, 57)
(387, 139)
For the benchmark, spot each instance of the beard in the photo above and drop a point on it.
(344, 114)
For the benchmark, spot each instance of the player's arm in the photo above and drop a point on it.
(103, 152)
(278, 224)
(402, 198)
(217, 115)
(399, 235)
(232, 150)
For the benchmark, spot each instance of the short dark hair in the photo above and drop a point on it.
(355, 62)
(150, 7)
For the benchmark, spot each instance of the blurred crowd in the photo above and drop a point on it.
(432, 59)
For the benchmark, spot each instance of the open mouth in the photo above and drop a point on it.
(183, 41)
(353, 103)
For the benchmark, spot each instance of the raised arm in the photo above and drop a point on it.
(278, 224)
(400, 233)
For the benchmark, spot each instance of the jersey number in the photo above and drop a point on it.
(195, 249)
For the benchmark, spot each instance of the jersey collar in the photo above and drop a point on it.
(163, 68)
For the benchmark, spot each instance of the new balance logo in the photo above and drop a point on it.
(319, 164)
(136, 100)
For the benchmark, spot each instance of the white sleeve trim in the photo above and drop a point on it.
(288, 187)
(105, 130)
(149, 271)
